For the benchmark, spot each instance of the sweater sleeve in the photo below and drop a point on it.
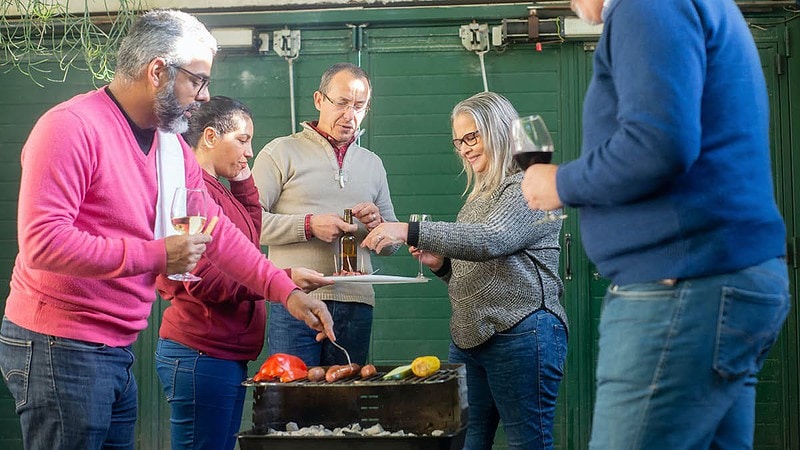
(216, 286)
(507, 229)
(652, 65)
(276, 229)
(59, 163)
(232, 253)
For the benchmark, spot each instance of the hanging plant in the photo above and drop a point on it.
(36, 33)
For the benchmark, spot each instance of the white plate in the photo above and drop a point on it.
(377, 279)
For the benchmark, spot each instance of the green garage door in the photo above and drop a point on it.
(419, 71)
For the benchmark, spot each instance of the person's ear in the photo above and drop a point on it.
(318, 99)
(155, 70)
(209, 136)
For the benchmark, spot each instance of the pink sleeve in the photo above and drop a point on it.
(59, 182)
(232, 253)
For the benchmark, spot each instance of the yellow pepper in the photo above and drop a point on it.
(425, 366)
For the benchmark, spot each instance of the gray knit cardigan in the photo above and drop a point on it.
(503, 267)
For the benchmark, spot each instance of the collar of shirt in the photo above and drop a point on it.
(339, 150)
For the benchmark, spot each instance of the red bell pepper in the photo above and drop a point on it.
(285, 367)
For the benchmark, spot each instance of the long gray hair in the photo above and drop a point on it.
(162, 33)
(493, 115)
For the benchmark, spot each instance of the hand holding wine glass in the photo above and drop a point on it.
(188, 214)
(420, 218)
(532, 144)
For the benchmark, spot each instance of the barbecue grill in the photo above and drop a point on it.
(414, 405)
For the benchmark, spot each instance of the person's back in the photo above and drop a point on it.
(676, 207)
(697, 199)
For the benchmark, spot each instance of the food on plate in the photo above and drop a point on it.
(316, 374)
(282, 366)
(398, 373)
(345, 273)
(425, 366)
(368, 371)
(336, 373)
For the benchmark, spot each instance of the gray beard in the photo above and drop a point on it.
(170, 115)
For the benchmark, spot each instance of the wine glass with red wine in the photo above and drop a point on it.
(532, 144)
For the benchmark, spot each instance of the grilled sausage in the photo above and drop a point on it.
(368, 371)
(316, 374)
(340, 372)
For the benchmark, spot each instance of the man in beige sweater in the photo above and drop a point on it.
(305, 181)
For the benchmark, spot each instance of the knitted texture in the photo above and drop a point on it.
(503, 266)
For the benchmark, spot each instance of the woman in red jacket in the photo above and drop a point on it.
(213, 327)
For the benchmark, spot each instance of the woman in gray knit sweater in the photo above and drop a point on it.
(507, 326)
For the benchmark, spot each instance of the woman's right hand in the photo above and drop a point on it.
(432, 260)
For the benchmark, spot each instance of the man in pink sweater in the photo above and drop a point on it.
(84, 279)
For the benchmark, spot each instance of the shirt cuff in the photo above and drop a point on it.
(307, 227)
(413, 234)
(445, 269)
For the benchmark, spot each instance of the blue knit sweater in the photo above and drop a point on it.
(674, 178)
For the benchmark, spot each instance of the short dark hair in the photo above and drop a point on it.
(356, 71)
(219, 113)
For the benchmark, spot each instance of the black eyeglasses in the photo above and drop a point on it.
(198, 81)
(469, 139)
(344, 106)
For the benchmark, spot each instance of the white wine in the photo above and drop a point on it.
(348, 247)
(189, 224)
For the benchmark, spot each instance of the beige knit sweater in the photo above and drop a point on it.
(298, 175)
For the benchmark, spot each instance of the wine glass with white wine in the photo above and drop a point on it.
(532, 144)
(188, 214)
(420, 218)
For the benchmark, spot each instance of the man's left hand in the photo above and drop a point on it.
(539, 187)
(368, 214)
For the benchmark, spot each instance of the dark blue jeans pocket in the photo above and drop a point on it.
(167, 370)
(15, 365)
(748, 325)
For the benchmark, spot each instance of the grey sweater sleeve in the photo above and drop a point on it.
(487, 229)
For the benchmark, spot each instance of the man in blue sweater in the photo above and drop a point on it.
(677, 208)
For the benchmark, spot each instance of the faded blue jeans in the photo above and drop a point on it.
(352, 323)
(514, 377)
(205, 396)
(69, 394)
(677, 365)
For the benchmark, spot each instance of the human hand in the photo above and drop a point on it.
(432, 260)
(386, 234)
(539, 187)
(312, 312)
(368, 214)
(327, 227)
(308, 280)
(183, 251)
(242, 175)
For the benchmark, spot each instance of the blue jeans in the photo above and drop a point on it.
(514, 377)
(677, 365)
(352, 323)
(69, 394)
(205, 396)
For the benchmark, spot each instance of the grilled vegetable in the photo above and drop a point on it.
(280, 365)
(425, 366)
(398, 373)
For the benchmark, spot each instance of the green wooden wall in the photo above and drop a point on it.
(419, 70)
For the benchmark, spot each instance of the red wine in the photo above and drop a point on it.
(526, 159)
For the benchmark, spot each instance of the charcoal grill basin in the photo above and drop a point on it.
(414, 405)
(248, 440)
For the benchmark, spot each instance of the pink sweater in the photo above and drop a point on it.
(87, 259)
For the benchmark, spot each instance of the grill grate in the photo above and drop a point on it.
(441, 376)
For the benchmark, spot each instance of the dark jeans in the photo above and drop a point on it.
(514, 377)
(205, 396)
(69, 394)
(352, 323)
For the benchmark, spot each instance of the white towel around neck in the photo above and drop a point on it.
(171, 175)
